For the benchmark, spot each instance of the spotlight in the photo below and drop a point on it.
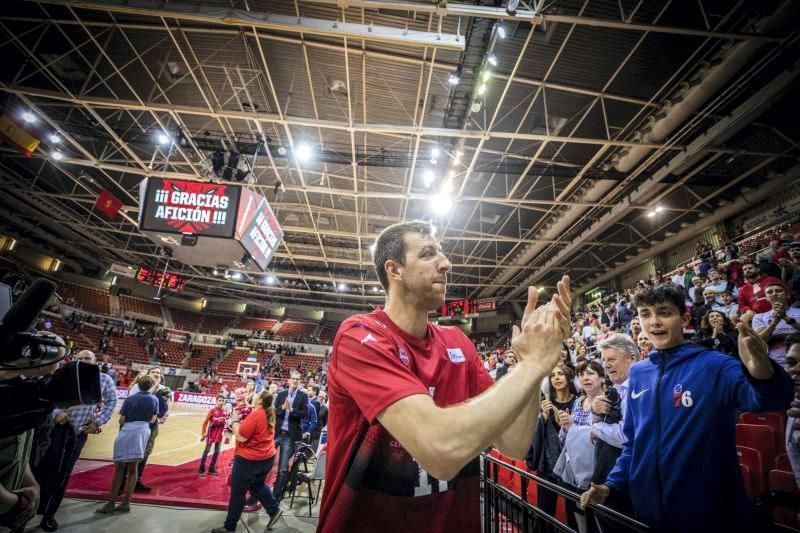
(163, 139)
(486, 75)
(453, 78)
(501, 31)
(236, 276)
(651, 214)
(28, 117)
(281, 150)
(435, 152)
(303, 152)
(492, 59)
(512, 6)
(55, 139)
(58, 156)
(441, 203)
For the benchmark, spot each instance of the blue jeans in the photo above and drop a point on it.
(249, 475)
(213, 457)
(285, 453)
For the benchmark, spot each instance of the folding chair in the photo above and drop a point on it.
(318, 474)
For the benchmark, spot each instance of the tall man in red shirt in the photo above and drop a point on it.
(411, 405)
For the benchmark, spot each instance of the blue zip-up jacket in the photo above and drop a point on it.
(679, 463)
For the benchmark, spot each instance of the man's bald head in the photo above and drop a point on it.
(86, 356)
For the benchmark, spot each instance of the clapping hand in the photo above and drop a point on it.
(564, 419)
(547, 407)
(754, 352)
(537, 340)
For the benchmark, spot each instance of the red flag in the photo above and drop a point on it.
(108, 204)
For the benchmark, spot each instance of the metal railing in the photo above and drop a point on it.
(506, 510)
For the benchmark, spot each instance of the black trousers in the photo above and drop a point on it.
(55, 467)
(249, 476)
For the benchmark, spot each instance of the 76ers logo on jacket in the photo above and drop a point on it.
(682, 397)
(192, 207)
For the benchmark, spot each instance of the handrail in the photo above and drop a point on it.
(607, 512)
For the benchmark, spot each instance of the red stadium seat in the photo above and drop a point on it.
(761, 438)
(784, 481)
(749, 485)
(774, 420)
(752, 460)
(782, 463)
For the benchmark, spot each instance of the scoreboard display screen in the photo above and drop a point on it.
(159, 278)
(464, 307)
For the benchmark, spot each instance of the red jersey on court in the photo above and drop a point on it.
(371, 482)
(214, 424)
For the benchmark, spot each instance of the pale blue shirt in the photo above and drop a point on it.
(612, 433)
(290, 396)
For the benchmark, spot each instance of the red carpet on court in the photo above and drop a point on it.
(178, 486)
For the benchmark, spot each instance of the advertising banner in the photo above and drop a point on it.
(194, 398)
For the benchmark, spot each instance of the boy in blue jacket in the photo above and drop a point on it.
(679, 463)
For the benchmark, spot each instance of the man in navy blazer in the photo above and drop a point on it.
(291, 409)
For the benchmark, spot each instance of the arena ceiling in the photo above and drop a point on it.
(553, 134)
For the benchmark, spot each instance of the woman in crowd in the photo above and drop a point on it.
(254, 456)
(250, 393)
(580, 448)
(546, 446)
(581, 352)
(137, 413)
(717, 332)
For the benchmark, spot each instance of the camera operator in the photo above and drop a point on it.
(617, 353)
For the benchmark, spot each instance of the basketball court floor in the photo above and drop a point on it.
(180, 500)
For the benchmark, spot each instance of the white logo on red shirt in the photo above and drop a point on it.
(456, 355)
(368, 338)
(403, 355)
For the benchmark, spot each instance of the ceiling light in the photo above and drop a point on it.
(482, 88)
(658, 209)
(651, 214)
(55, 139)
(163, 139)
(453, 78)
(342, 287)
(236, 276)
(435, 152)
(303, 152)
(270, 280)
(281, 150)
(428, 177)
(372, 248)
(374, 288)
(441, 203)
(512, 6)
(476, 106)
(492, 59)
(28, 117)
(58, 156)
(486, 74)
(501, 31)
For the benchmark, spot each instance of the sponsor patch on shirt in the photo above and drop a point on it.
(403, 355)
(456, 355)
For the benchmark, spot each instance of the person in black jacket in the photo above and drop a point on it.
(292, 408)
(546, 446)
(717, 332)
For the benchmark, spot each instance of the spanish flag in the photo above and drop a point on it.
(16, 135)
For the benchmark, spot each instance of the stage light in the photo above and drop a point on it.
(58, 156)
(28, 117)
(501, 31)
(453, 78)
(55, 139)
(303, 152)
(492, 59)
(163, 139)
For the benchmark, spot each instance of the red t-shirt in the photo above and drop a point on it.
(260, 443)
(372, 482)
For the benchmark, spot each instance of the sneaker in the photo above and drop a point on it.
(48, 523)
(201, 473)
(123, 508)
(273, 518)
(107, 509)
(213, 472)
(141, 487)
